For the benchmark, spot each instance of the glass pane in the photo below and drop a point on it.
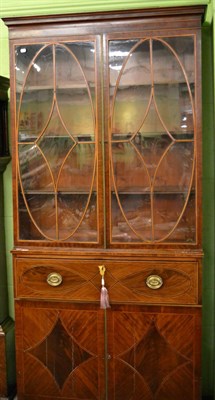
(28, 229)
(73, 94)
(23, 57)
(34, 113)
(119, 51)
(37, 96)
(77, 217)
(174, 172)
(78, 172)
(183, 46)
(172, 91)
(85, 54)
(34, 171)
(130, 172)
(131, 218)
(131, 94)
(42, 214)
(185, 231)
(154, 141)
(168, 211)
(55, 144)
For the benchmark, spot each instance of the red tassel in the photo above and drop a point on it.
(104, 297)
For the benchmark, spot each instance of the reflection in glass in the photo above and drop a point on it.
(167, 212)
(183, 46)
(34, 172)
(40, 206)
(85, 54)
(186, 228)
(76, 111)
(24, 55)
(74, 101)
(172, 90)
(37, 97)
(78, 216)
(131, 218)
(78, 169)
(34, 114)
(119, 50)
(130, 171)
(28, 230)
(55, 144)
(132, 95)
(176, 168)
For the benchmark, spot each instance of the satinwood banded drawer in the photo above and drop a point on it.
(150, 282)
(153, 282)
(57, 279)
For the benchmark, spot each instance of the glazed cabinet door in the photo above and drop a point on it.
(153, 136)
(60, 352)
(58, 164)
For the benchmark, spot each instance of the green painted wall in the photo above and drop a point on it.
(32, 7)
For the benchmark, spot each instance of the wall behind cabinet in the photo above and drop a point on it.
(208, 212)
(30, 7)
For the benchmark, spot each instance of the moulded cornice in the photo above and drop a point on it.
(15, 8)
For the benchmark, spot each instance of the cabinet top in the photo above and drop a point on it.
(97, 23)
(107, 16)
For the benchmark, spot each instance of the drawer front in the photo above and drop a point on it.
(56, 279)
(153, 282)
(148, 282)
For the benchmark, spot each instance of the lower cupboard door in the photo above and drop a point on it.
(67, 351)
(154, 355)
(60, 352)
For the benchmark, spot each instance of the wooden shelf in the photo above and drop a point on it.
(155, 192)
(66, 86)
(59, 192)
(121, 192)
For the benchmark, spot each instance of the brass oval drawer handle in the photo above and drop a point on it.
(154, 281)
(54, 279)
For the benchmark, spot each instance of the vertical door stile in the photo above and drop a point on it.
(104, 131)
(106, 353)
(55, 99)
(104, 127)
(152, 186)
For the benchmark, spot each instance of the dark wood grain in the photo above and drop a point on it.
(152, 352)
(142, 340)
